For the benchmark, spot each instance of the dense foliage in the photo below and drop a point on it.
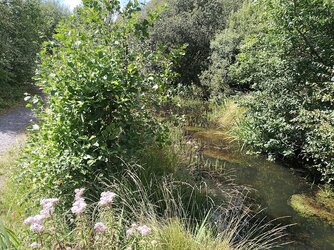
(103, 83)
(194, 23)
(24, 25)
(287, 59)
(225, 47)
(107, 77)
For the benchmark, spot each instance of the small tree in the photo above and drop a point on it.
(103, 84)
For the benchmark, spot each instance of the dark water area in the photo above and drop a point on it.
(274, 185)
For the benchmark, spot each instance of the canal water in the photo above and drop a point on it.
(274, 185)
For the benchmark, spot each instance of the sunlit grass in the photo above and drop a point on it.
(226, 116)
(12, 208)
(168, 214)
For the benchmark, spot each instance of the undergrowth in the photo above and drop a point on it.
(168, 191)
(12, 95)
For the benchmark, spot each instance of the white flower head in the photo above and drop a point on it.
(130, 232)
(35, 127)
(79, 192)
(155, 87)
(52, 201)
(37, 219)
(38, 228)
(144, 230)
(79, 206)
(99, 227)
(107, 198)
(35, 245)
(48, 206)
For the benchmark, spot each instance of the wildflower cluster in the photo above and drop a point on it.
(104, 227)
(134, 229)
(99, 227)
(79, 204)
(36, 222)
(107, 198)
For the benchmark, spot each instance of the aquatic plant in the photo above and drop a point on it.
(320, 205)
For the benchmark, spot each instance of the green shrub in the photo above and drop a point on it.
(194, 23)
(24, 25)
(289, 64)
(225, 47)
(103, 84)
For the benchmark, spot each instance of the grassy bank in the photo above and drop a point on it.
(320, 205)
(12, 193)
(168, 191)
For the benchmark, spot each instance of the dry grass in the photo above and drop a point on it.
(227, 115)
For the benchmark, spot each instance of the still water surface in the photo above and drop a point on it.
(274, 185)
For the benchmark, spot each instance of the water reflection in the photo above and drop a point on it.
(275, 184)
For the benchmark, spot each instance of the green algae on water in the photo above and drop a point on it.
(320, 205)
(222, 155)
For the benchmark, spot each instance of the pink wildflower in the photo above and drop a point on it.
(100, 227)
(52, 201)
(37, 219)
(79, 204)
(144, 230)
(47, 212)
(106, 198)
(79, 192)
(38, 228)
(35, 245)
(132, 230)
(48, 206)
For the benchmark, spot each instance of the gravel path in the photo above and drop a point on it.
(12, 125)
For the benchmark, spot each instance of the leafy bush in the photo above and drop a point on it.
(194, 23)
(225, 47)
(289, 64)
(24, 25)
(103, 84)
